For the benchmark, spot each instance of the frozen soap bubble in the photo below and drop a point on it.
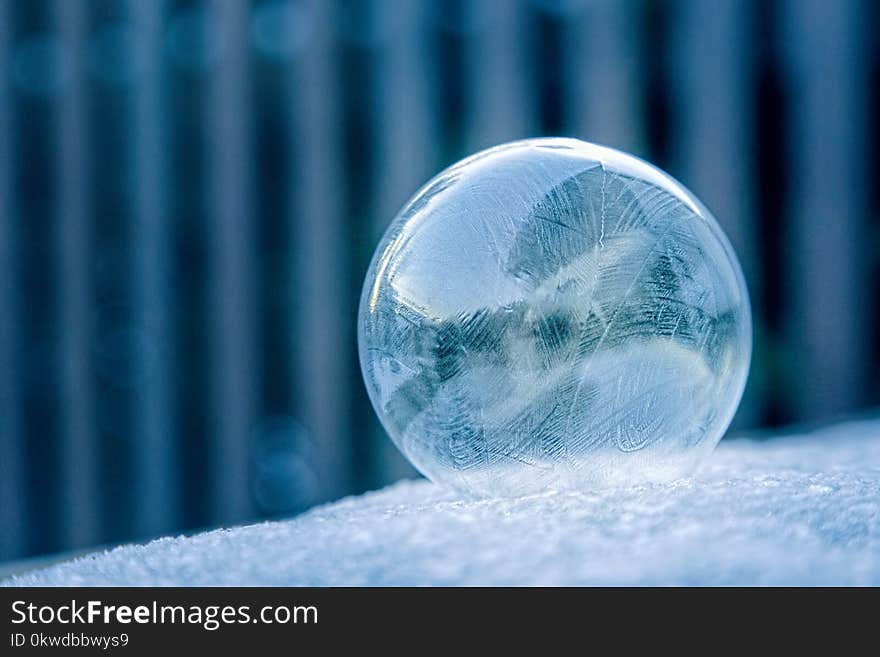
(554, 315)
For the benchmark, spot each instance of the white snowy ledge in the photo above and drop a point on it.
(796, 510)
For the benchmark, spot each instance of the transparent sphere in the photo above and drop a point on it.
(554, 315)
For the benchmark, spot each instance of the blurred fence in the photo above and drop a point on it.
(190, 194)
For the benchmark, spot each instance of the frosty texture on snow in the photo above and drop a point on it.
(550, 314)
(800, 510)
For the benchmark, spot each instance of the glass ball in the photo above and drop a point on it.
(555, 315)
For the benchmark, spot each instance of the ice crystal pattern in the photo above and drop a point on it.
(554, 315)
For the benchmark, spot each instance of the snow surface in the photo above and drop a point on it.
(795, 510)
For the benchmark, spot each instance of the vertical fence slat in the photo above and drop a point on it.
(404, 148)
(713, 113)
(190, 55)
(500, 94)
(603, 74)
(321, 271)
(155, 465)
(828, 273)
(406, 130)
(35, 107)
(78, 487)
(12, 520)
(231, 268)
